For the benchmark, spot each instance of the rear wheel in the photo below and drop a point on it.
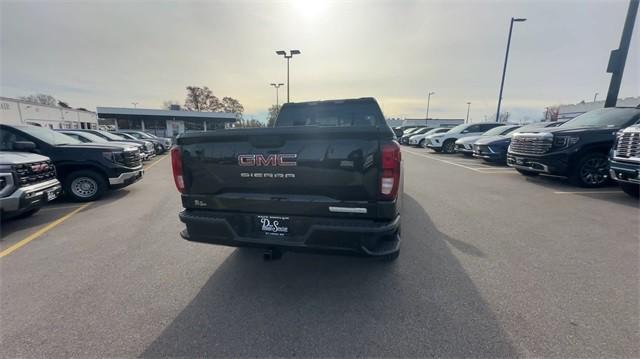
(449, 146)
(592, 170)
(85, 186)
(631, 189)
(527, 173)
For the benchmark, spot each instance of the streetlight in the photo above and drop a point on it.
(468, 108)
(135, 104)
(277, 86)
(506, 57)
(429, 102)
(288, 57)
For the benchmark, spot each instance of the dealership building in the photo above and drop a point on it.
(167, 123)
(19, 112)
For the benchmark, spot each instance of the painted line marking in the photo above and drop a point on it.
(42, 231)
(444, 161)
(59, 207)
(586, 192)
(156, 162)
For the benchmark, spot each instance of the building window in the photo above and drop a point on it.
(215, 125)
(193, 125)
(155, 124)
(127, 124)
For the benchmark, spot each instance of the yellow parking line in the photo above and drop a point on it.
(586, 192)
(42, 231)
(156, 162)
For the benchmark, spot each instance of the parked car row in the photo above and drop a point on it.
(38, 164)
(591, 150)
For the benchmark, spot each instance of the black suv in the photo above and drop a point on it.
(86, 170)
(577, 149)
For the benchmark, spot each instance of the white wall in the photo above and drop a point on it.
(15, 112)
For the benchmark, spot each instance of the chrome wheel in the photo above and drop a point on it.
(594, 171)
(84, 187)
(449, 147)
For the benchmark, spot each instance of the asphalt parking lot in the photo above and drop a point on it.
(493, 265)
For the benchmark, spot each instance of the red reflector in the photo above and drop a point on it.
(176, 165)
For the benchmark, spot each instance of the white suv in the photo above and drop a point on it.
(446, 142)
(418, 140)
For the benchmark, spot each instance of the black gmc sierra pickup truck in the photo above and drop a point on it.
(327, 179)
(577, 149)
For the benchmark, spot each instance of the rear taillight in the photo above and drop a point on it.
(176, 164)
(390, 162)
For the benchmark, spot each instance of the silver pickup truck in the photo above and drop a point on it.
(624, 160)
(27, 182)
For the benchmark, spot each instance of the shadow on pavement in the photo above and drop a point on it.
(424, 304)
(12, 230)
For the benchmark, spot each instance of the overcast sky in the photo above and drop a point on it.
(112, 53)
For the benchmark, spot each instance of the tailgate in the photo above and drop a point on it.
(297, 170)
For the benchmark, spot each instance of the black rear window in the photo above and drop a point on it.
(346, 114)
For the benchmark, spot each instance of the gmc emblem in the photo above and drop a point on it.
(39, 167)
(282, 159)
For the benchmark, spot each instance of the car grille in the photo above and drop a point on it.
(35, 172)
(628, 145)
(132, 158)
(481, 149)
(530, 145)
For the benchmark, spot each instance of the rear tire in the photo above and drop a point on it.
(591, 171)
(631, 189)
(449, 146)
(527, 173)
(85, 186)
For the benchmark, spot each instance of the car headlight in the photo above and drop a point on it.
(565, 141)
(115, 157)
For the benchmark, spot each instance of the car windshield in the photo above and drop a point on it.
(604, 117)
(48, 136)
(142, 135)
(421, 131)
(436, 130)
(90, 136)
(500, 130)
(459, 128)
(110, 136)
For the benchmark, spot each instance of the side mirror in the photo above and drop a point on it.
(26, 146)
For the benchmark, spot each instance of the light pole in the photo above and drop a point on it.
(277, 86)
(288, 57)
(506, 58)
(135, 104)
(428, 103)
(595, 96)
(468, 109)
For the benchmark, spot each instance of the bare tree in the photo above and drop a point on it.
(232, 105)
(273, 114)
(201, 99)
(504, 117)
(41, 99)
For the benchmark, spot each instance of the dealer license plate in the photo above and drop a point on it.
(273, 225)
(51, 195)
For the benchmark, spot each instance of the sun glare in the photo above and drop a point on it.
(310, 8)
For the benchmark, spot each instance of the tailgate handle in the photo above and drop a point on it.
(266, 141)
